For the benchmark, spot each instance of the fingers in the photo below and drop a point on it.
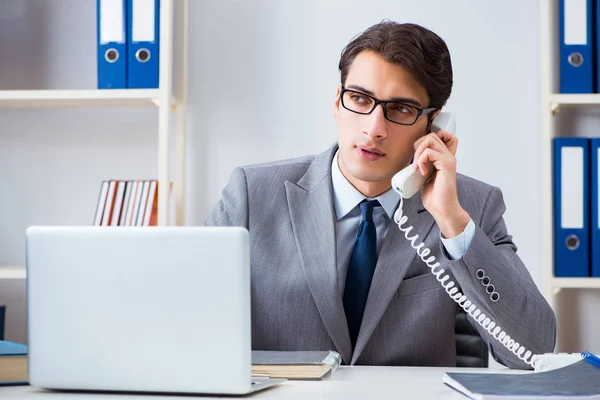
(435, 141)
(443, 138)
(431, 141)
(428, 155)
(449, 140)
(439, 161)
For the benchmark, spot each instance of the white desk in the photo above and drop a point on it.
(345, 384)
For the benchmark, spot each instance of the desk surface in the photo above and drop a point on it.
(346, 383)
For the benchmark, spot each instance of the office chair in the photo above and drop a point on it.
(471, 349)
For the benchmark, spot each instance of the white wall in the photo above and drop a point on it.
(280, 60)
(263, 76)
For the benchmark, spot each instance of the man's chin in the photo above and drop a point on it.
(370, 176)
(365, 171)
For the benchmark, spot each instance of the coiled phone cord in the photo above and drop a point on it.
(451, 288)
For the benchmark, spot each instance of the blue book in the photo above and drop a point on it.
(576, 47)
(111, 44)
(13, 363)
(143, 43)
(578, 380)
(571, 207)
(595, 206)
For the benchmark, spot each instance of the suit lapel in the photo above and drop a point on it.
(394, 259)
(310, 204)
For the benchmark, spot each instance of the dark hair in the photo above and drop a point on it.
(422, 52)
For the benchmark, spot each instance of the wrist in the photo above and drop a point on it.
(453, 223)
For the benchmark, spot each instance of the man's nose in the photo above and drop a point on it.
(375, 124)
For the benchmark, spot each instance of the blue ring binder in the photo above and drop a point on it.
(592, 359)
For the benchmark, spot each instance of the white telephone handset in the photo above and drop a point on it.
(408, 182)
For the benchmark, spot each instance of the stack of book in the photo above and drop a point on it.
(127, 203)
(300, 365)
(13, 364)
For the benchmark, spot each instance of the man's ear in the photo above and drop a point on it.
(336, 103)
(430, 120)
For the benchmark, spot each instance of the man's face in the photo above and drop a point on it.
(371, 148)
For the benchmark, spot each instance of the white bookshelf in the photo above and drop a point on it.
(12, 272)
(551, 103)
(169, 99)
(574, 99)
(79, 98)
(575, 283)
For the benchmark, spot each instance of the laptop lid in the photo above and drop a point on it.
(154, 309)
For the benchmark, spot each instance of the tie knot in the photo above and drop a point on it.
(366, 209)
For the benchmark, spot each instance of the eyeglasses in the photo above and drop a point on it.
(393, 111)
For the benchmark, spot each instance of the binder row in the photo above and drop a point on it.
(128, 44)
(127, 203)
(579, 35)
(576, 207)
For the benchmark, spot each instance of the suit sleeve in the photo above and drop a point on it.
(518, 307)
(232, 209)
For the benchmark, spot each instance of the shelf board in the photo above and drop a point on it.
(12, 272)
(79, 98)
(575, 99)
(576, 283)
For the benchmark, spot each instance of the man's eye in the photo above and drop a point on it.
(357, 98)
(402, 109)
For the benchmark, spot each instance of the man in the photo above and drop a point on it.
(330, 268)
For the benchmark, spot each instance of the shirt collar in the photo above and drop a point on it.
(346, 197)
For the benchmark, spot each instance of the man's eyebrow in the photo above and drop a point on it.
(407, 100)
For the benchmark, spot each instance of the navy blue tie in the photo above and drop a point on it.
(360, 269)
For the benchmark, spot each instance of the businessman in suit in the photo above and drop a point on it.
(331, 269)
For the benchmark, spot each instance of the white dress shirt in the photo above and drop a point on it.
(346, 199)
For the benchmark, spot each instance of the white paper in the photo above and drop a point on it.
(142, 20)
(571, 179)
(112, 21)
(575, 22)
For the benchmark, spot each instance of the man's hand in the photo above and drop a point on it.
(440, 195)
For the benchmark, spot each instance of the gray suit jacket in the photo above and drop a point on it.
(409, 318)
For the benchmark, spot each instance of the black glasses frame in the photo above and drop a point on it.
(376, 102)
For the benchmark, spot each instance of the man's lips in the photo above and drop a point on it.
(369, 153)
(372, 150)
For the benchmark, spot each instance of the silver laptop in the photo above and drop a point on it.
(142, 309)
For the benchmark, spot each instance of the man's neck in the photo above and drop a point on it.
(370, 189)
